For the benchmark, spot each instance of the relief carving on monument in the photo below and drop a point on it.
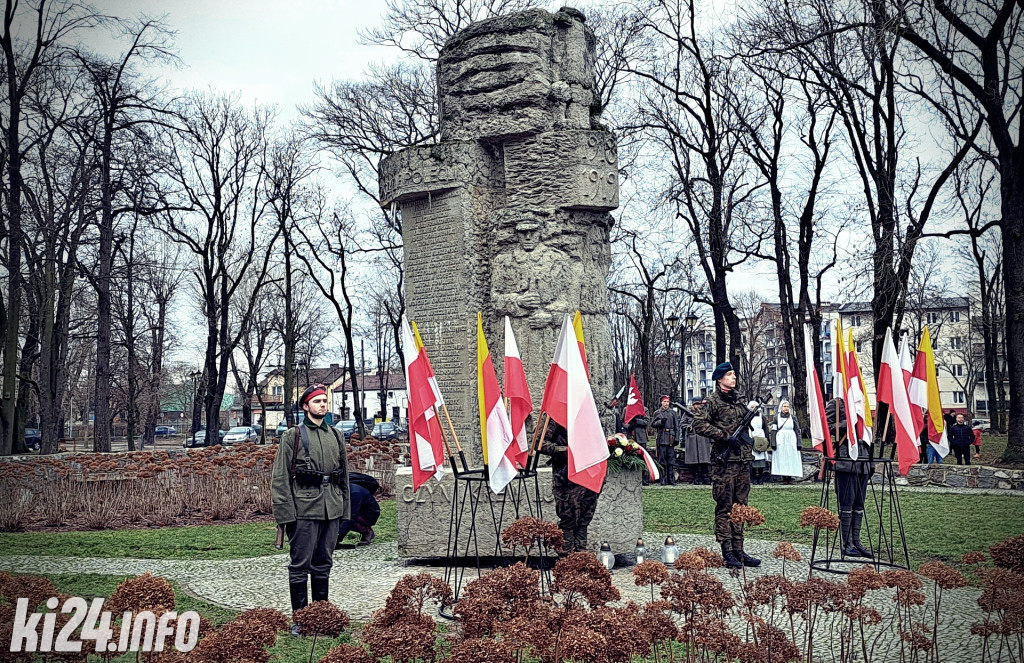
(509, 213)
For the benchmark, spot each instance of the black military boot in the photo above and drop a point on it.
(568, 542)
(320, 588)
(845, 538)
(297, 590)
(855, 523)
(581, 539)
(731, 561)
(742, 556)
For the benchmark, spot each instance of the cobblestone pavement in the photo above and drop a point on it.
(362, 578)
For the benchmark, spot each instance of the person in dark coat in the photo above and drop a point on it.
(960, 437)
(697, 448)
(666, 422)
(852, 478)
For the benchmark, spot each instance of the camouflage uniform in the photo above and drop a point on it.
(730, 479)
(574, 503)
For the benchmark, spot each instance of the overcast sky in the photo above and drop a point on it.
(269, 51)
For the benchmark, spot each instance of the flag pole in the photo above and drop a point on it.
(885, 430)
(538, 436)
(458, 447)
(447, 445)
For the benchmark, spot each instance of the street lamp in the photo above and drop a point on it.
(684, 342)
(195, 376)
(673, 324)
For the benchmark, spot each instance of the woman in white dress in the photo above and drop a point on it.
(786, 460)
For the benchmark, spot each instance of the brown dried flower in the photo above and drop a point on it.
(690, 562)
(482, 650)
(902, 579)
(742, 514)
(819, 517)
(864, 614)
(410, 638)
(347, 654)
(321, 618)
(785, 550)
(945, 576)
(973, 557)
(580, 575)
(1009, 554)
(144, 592)
(650, 572)
(864, 579)
(527, 531)
(487, 603)
(712, 559)
(275, 619)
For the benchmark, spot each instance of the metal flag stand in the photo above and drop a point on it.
(883, 525)
(472, 490)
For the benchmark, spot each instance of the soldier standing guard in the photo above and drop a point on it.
(310, 495)
(574, 504)
(666, 422)
(720, 420)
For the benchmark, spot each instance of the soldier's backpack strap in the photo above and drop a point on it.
(295, 449)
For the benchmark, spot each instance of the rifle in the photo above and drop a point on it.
(735, 440)
(279, 542)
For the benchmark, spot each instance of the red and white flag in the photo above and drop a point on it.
(517, 391)
(425, 441)
(495, 429)
(907, 365)
(924, 391)
(893, 390)
(569, 401)
(821, 438)
(634, 404)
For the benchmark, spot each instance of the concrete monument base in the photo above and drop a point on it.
(423, 516)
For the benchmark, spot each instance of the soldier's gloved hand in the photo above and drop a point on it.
(734, 443)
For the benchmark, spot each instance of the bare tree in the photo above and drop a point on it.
(976, 51)
(50, 27)
(683, 102)
(218, 162)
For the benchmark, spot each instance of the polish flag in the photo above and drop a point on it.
(907, 366)
(517, 391)
(893, 390)
(924, 391)
(634, 404)
(426, 444)
(577, 327)
(821, 438)
(841, 387)
(865, 427)
(495, 428)
(569, 401)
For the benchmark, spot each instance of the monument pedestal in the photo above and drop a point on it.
(423, 516)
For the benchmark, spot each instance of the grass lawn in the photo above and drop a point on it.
(938, 526)
(210, 542)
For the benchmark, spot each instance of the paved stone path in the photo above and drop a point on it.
(362, 578)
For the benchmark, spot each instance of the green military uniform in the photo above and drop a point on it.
(311, 515)
(574, 504)
(730, 470)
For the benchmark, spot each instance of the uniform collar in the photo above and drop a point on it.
(323, 424)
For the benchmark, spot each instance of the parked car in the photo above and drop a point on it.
(349, 426)
(33, 438)
(387, 430)
(241, 435)
(198, 439)
(164, 431)
(985, 424)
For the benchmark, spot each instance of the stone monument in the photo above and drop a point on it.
(509, 213)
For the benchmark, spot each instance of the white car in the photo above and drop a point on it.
(241, 435)
(985, 424)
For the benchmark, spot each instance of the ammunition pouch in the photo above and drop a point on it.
(337, 477)
(306, 478)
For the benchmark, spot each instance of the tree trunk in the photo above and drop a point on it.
(1012, 199)
(104, 258)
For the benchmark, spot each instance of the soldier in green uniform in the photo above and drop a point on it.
(574, 504)
(310, 496)
(730, 461)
